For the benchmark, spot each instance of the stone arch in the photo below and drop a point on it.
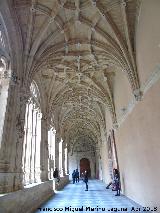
(13, 43)
(5, 73)
(85, 166)
(32, 137)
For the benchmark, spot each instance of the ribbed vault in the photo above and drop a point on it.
(73, 49)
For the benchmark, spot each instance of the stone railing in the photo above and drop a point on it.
(28, 199)
(63, 182)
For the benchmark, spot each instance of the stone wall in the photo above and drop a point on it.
(63, 182)
(138, 150)
(137, 137)
(26, 200)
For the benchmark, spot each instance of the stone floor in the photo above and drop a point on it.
(97, 199)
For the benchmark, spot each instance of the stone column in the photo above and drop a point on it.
(4, 85)
(20, 121)
(56, 164)
(35, 141)
(44, 148)
(54, 144)
(66, 160)
(11, 174)
(63, 159)
(4, 160)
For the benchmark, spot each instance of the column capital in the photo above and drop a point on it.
(44, 116)
(138, 94)
(54, 131)
(123, 3)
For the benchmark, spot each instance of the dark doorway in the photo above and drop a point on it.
(85, 165)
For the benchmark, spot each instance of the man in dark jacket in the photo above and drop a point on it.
(86, 179)
(74, 176)
(77, 175)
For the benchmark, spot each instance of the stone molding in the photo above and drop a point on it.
(153, 78)
(4, 166)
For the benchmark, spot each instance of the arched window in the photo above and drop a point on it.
(66, 160)
(32, 139)
(60, 157)
(4, 74)
(2, 43)
(112, 153)
(51, 149)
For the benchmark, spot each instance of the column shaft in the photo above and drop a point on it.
(44, 149)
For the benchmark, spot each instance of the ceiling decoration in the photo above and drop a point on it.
(75, 48)
(84, 145)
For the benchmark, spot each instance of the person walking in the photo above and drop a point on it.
(86, 179)
(117, 182)
(77, 175)
(73, 176)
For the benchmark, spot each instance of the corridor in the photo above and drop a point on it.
(79, 90)
(74, 196)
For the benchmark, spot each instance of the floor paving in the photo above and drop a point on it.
(74, 198)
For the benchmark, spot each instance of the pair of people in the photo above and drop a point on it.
(75, 176)
(115, 183)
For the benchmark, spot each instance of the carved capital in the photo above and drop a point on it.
(115, 125)
(123, 3)
(24, 95)
(19, 126)
(137, 94)
(44, 117)
(14, 79)
(54, 131)
(4, 72)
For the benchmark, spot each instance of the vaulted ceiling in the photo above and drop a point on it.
(73, 49)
